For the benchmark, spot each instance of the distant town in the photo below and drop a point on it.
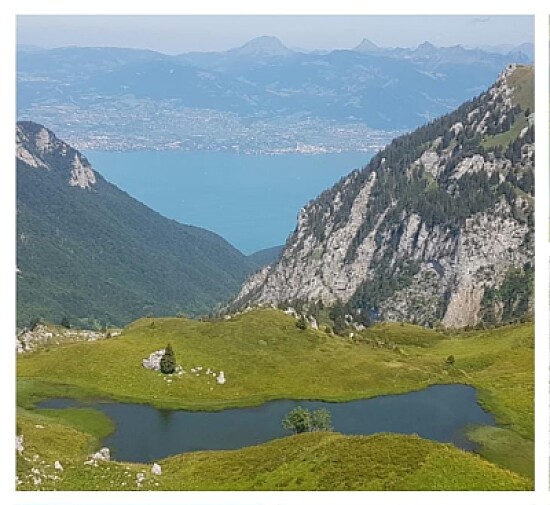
(129, 123)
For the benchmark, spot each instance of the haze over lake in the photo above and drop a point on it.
(250, 200)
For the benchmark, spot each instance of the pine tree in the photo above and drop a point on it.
(168, 361)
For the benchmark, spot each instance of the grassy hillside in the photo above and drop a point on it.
(522, 82)
(311, 461)
(264, 356)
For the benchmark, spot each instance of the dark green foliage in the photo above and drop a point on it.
(168, 361)
(387, 279)
(315, 308)
(66, 323)
(321, 420)
(340, 325)
(34, 322)
(265, 257)
(361, 316)
(297, 420)
(450, 360)
(99, 256)
(301, 324)
(509, 302)
(338, 310)
(301, 420)
(337, 314)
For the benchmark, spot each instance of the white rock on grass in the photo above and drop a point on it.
(221, 378)
(156, 469)
(58, 466)
(104, 454)
(19, 444)
(153, 361)
(140, 477)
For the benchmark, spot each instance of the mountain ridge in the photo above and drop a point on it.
(437, 229)
(391, 89)
(88, 251)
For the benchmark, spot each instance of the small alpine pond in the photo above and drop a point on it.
(144, 433)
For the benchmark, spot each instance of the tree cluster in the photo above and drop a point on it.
(300, 420)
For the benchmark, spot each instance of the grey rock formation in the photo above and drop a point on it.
(19, 444)
(34, 146)
(82, 174)
(153, 361)
(220, 379)
(42, 336)
(438, 270)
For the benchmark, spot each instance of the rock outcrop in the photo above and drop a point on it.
(437, 228)
(153, 361)
(42, 336)
(36, 146)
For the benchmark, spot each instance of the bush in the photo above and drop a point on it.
(66, 323)
(301, 324)
(34, 323)
(450, 360)
(168, 361)
(340, 326)
(321, 420)
(300, 420)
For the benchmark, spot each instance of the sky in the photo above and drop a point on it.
(178, 34)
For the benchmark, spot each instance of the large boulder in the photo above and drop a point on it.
(153, 361)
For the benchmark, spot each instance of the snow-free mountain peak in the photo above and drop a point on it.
(265, 45)
(436, 229)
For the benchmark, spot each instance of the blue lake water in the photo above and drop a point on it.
(144, 433)
(250, 200)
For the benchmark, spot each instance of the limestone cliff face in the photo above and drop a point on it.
(438, 221)
(38, 147)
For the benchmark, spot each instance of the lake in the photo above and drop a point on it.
(144, 433)
(250, 200)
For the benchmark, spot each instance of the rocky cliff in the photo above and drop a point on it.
(437, 228)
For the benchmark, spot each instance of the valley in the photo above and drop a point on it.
(264, 356)
(253, 279)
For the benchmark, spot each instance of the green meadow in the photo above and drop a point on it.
(264, 356)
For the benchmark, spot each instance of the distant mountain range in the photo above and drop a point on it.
(88, 251)
(386, 88)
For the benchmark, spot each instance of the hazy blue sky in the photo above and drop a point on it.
(176, 34)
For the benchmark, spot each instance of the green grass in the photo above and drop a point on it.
(264, 356)
(403, 334)
(312, 461)
(505, 447)
(522, 83)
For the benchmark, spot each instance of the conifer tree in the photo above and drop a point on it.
(168, 361)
